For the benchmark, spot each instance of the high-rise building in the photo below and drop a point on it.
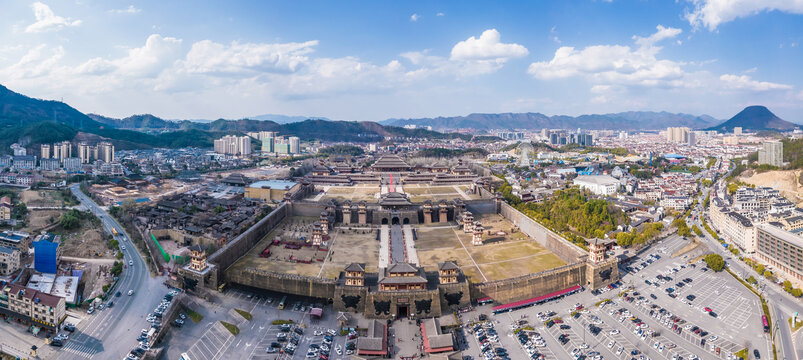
(45, 153)
(730, 140)
(771, 153)
(84, 153)
(61, 150)
(233, 145)
(692, 139)
(267, 145)
(295, 144)
(244, 145)
(737, 130)
(677, 134)
(105, 152)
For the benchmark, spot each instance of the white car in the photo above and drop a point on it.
(130, 292)
(610, 344)
(619, 350)
(317, 333)
(130, 262)
(614, 331)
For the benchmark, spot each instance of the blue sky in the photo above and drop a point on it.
(359, 60)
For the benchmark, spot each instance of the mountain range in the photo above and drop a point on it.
(33, 121)
(631, 120)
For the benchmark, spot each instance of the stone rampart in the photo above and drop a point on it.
(555, 243)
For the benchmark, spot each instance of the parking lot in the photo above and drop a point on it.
(736, 326)
(210, 340)
(737, 310)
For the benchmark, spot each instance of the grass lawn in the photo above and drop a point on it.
(233, 329)
(247, 315)
(196, 317)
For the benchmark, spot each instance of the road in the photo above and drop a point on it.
(783, 305)
(111, 333)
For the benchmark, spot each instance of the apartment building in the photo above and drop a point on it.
(771, 153)
(9, 260)
(782, 250)
(31, 306)
(15, 239)
(233, 145)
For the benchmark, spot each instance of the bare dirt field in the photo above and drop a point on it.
(352, 246)
(86, 243)
(344, 246)
(786, 181)
(421, 192)
(362, 192)
(502, 256)
(37, 219)
(42, 198)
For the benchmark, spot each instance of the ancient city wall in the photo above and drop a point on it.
(305, 208)
(284, 283)
(532, 285)
(238, 247)
(555, 243)
(484, 206)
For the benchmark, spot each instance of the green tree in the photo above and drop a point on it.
(69, 221)
(20, 211)
(767, 274)
(796, 292)
(752, 280)
(787, 285)
(760, 268)
(715, 262)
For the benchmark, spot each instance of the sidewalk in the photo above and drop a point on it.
(15, 341)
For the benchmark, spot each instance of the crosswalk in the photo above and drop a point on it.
(80, 349)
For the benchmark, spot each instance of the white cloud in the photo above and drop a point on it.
(487, 47)
(744, 82)
(414, 17)
(209, 57)
(440, 14)
(661, 34)
(129, 10)
(36, 63)
(614, 64)
(46, 20)
(712, 13)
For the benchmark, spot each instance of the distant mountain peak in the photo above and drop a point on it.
(755, 118)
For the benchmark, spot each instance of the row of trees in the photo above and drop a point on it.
(766, 273)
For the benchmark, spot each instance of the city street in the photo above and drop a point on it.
(112, 332)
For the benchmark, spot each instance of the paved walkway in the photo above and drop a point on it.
(461, 192)
(396, 244)
(409, 244)
(384, 246)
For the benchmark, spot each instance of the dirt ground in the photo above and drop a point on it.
(362, 192)
(86, 243)
(502, 256)
(344, 247)
(41, 198)
(37, 219)
(785, 181)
